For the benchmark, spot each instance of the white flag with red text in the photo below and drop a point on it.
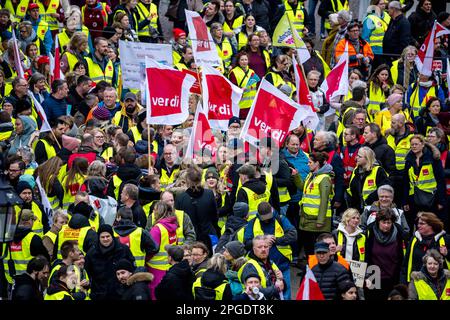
(17, 60)
(272, 114)
(203, 45)
(44, 200)
(55, 62)
(336, 83)
(309, 288)
(41, 113)
(167, 92)
(220, 98)
(424, 58)
(202, 136)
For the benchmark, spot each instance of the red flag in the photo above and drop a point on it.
(202, 136)
(303, 94)
(196, 87)
(309, 288)
(167, 94)
(273, 114)
(221, 98)
(56, 72)
(336, 82)
(424, 59)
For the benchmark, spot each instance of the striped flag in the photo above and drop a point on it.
(55, 62)
(17, 60)
(45, 202)
(336, 83)
(309, 289)
(41, 113)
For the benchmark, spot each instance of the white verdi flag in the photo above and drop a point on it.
(17, 60)
(168, 94)
(203, 45)
(41, 113)
(45, 202)
(220, 97)
(336, 82)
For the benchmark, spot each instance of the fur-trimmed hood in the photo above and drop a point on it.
(436, 236)
(140, 277)
(419, 275)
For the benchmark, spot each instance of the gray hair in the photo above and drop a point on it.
(386, 188)
(97, 169)
(218, 263)
(345, 15)
(330, 137)
(259, 238)
(433, 253)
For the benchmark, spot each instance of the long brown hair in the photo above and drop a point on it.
(79, 166)
(48, 172)
(375, 82)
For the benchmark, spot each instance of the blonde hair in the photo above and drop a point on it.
(218, 263)
(161, 211)
(370, 157)
(59, 213)
(348, 214)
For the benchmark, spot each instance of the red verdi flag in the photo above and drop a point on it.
(272, 114)
(221, 98)
(309, 288)
(202, 136)
(168, 94)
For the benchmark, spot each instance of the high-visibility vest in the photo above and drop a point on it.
(255, 199)
(67, 233)
(42, 29)
(166, 180)
(58, 296)
(386, 18)
(134, 17)
(108, 153)
(94, 221)
(297, 19)
(133, 241)
(401, 149)
(19, 13)
(147, 207)
(219, 289)
(370, 183)
(51, 235)
(38, 227)
(160, 259)
(239, 233)
(259, 270)
(276, 78)
(414, 102)
(225, 51)
(144, 13)
(425, 292)
(411, 251)
(237, 22)
(377, 35)
(376, 98)
(176, 57)
(49, 149)
(116, 183)
(180, 219)
(71, 192)
(425, 181)
(72, 60)
(64, 39)
(310, 201)
(242, 40)
(284, 195)
(394, 71)
(360, 243)
(337, 6)
(341, 125)
(286, 250)
(136, 134)
(242, 79)
(97, 74)
(46, 14)
(20, 255)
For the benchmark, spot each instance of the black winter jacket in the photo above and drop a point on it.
(329, 276)
(137, 288)
(176, 283)
(26, 289)
(397, 36)
(126, 173)
(421, 23)
(232, 226)
(384, 154)
(211, 279)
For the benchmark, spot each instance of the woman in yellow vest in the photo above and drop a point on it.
(5, 88)
(223, 45)
(350, 239)
(379, 84)
(420, 92)
(76, 52)
(315, 205)
(424, 183)
(243, 32)
(27, 35)
(73, 180)
(365, 180)
(163, 233)
(404, 70)
(148, 27)
(244, 77)
(213, 284)
(233, 18)
(213, 182)
(48, 173)
(394, 104)
(128, 7)
(276, 74)
(432, 282)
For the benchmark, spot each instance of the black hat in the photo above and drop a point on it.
(236, 249)
(251, 275)
(234, 120)
(82, 208)
(240, 209)
(346, 285)
(23, 185)
(130, 95)
(124, 264)
(321, 247)
(105, 228)
(21, 106)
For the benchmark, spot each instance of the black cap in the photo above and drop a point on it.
(321, 247)
(124, 264)
(234, 120)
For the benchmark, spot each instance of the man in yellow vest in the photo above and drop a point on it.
(40, 26)
(99, 66)
(280, 233)
(69, 254)
(136, 238)
(48, 147)
(168, 167)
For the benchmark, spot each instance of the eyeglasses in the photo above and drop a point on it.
(421, 223)
(99, 137)
(14, 170)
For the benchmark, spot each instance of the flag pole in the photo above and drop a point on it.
(149, 148)
(57, 142)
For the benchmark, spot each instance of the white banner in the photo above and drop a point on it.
(358, 270)
(132, 60)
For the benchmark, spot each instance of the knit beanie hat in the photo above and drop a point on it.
(28, 178)
(105, 228)
(236, 249)
(178, 33)
(23, 185)
(240, 209)
(394, 98)
(124, 264)
(101, 113)
(70, 143)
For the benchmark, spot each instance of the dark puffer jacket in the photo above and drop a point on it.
(329, 276)
(384, 154)
(421, 23)
(176, 283)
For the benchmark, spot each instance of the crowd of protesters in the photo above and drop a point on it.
(133, 218)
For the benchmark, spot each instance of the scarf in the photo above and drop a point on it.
(385, 238)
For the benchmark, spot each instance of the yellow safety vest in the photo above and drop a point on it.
(377, 35)
(64, 39)
(337, 6)
(74, 187)
(136, 134)
(286, 251)
(297, 19)
(97, 74)
(108, 153)
(239, 21)
(425, 292)
(387, 18)
(94, 222)
(370, 183)
(225, 51)
(19, 13)
(42, 29)
(160, 259)
(341, 125)
(242, 79)
(116, 182)
(72, 60)
(51, 235)
(133, 241)
(310, 201)
(144, 13)
(425, 181)
(259, 270)
(376, 98)
(20, 255)
(255, 199)
(414, 102)
(394, 71)
(66, 233)
(38, 227)
(46, 14)
(360, 243)
(49, 149)
(411, 251)
(219, 290)
(276, 78)
(176, 57)
(401, 149)
(58, 296)
(166, 180)
(180, 219)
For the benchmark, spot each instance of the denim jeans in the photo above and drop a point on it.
(312, 4)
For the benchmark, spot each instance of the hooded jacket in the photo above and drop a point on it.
(26, 289)
(137, 287)
(349, 246)
(125, 227)
(36, 245)
(437, 285)
(300, 163)
(176, 283)
(29, 126)
(169, 223)
(125, 173)
(212, 279)
(328, 277)
(100, 266)
(384, 154)
(232, 226)
(421, 23)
